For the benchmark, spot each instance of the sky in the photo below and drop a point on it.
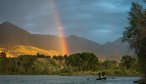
(97, 20)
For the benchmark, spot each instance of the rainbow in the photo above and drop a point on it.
(60, 28)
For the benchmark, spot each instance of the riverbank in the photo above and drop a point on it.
(109, 72)
(76, 64)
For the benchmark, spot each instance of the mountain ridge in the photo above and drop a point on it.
(13, 35)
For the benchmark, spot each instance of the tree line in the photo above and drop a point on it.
(41, 64)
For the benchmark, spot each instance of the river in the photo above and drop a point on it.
(55, 79)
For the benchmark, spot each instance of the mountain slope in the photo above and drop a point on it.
(13, 51)
(116, 49)
(79, 44)
(13, 35)
(46, 41)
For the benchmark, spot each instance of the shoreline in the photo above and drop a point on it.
(70, 75)
(87, 73)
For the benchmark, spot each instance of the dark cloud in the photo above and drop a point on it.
(97, 20)
(32, 15)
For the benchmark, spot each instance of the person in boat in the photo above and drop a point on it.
(103, 75)
(99, 75)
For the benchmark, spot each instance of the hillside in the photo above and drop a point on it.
(78, 44)
(46, 41)
(13, 51)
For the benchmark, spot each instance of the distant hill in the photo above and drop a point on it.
(11, 35)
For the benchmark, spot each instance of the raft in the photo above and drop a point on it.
(104, 78)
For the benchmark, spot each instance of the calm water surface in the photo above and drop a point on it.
(44, 79)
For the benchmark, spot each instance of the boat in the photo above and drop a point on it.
(104, 78)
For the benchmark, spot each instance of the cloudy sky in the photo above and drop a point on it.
(97, 20)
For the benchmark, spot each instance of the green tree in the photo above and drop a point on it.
(3, 54)
(83, 61)
(109, 64)
(128, 62)
(135, 33)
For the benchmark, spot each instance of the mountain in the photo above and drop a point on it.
(11, 35)
(80, 44)
(116, 49)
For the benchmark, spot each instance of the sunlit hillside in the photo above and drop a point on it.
(13, 51)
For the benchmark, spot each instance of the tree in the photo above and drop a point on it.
(135, 33)
(83, 61)
(3, 54)
(128, 62)
(109, 64)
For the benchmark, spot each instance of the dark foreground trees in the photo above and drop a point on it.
(75, 63)
(135, 33)
(3, 54)
(41, 64)
(83, 61)
(128, 62)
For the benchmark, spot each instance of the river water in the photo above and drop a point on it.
(48, 79)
